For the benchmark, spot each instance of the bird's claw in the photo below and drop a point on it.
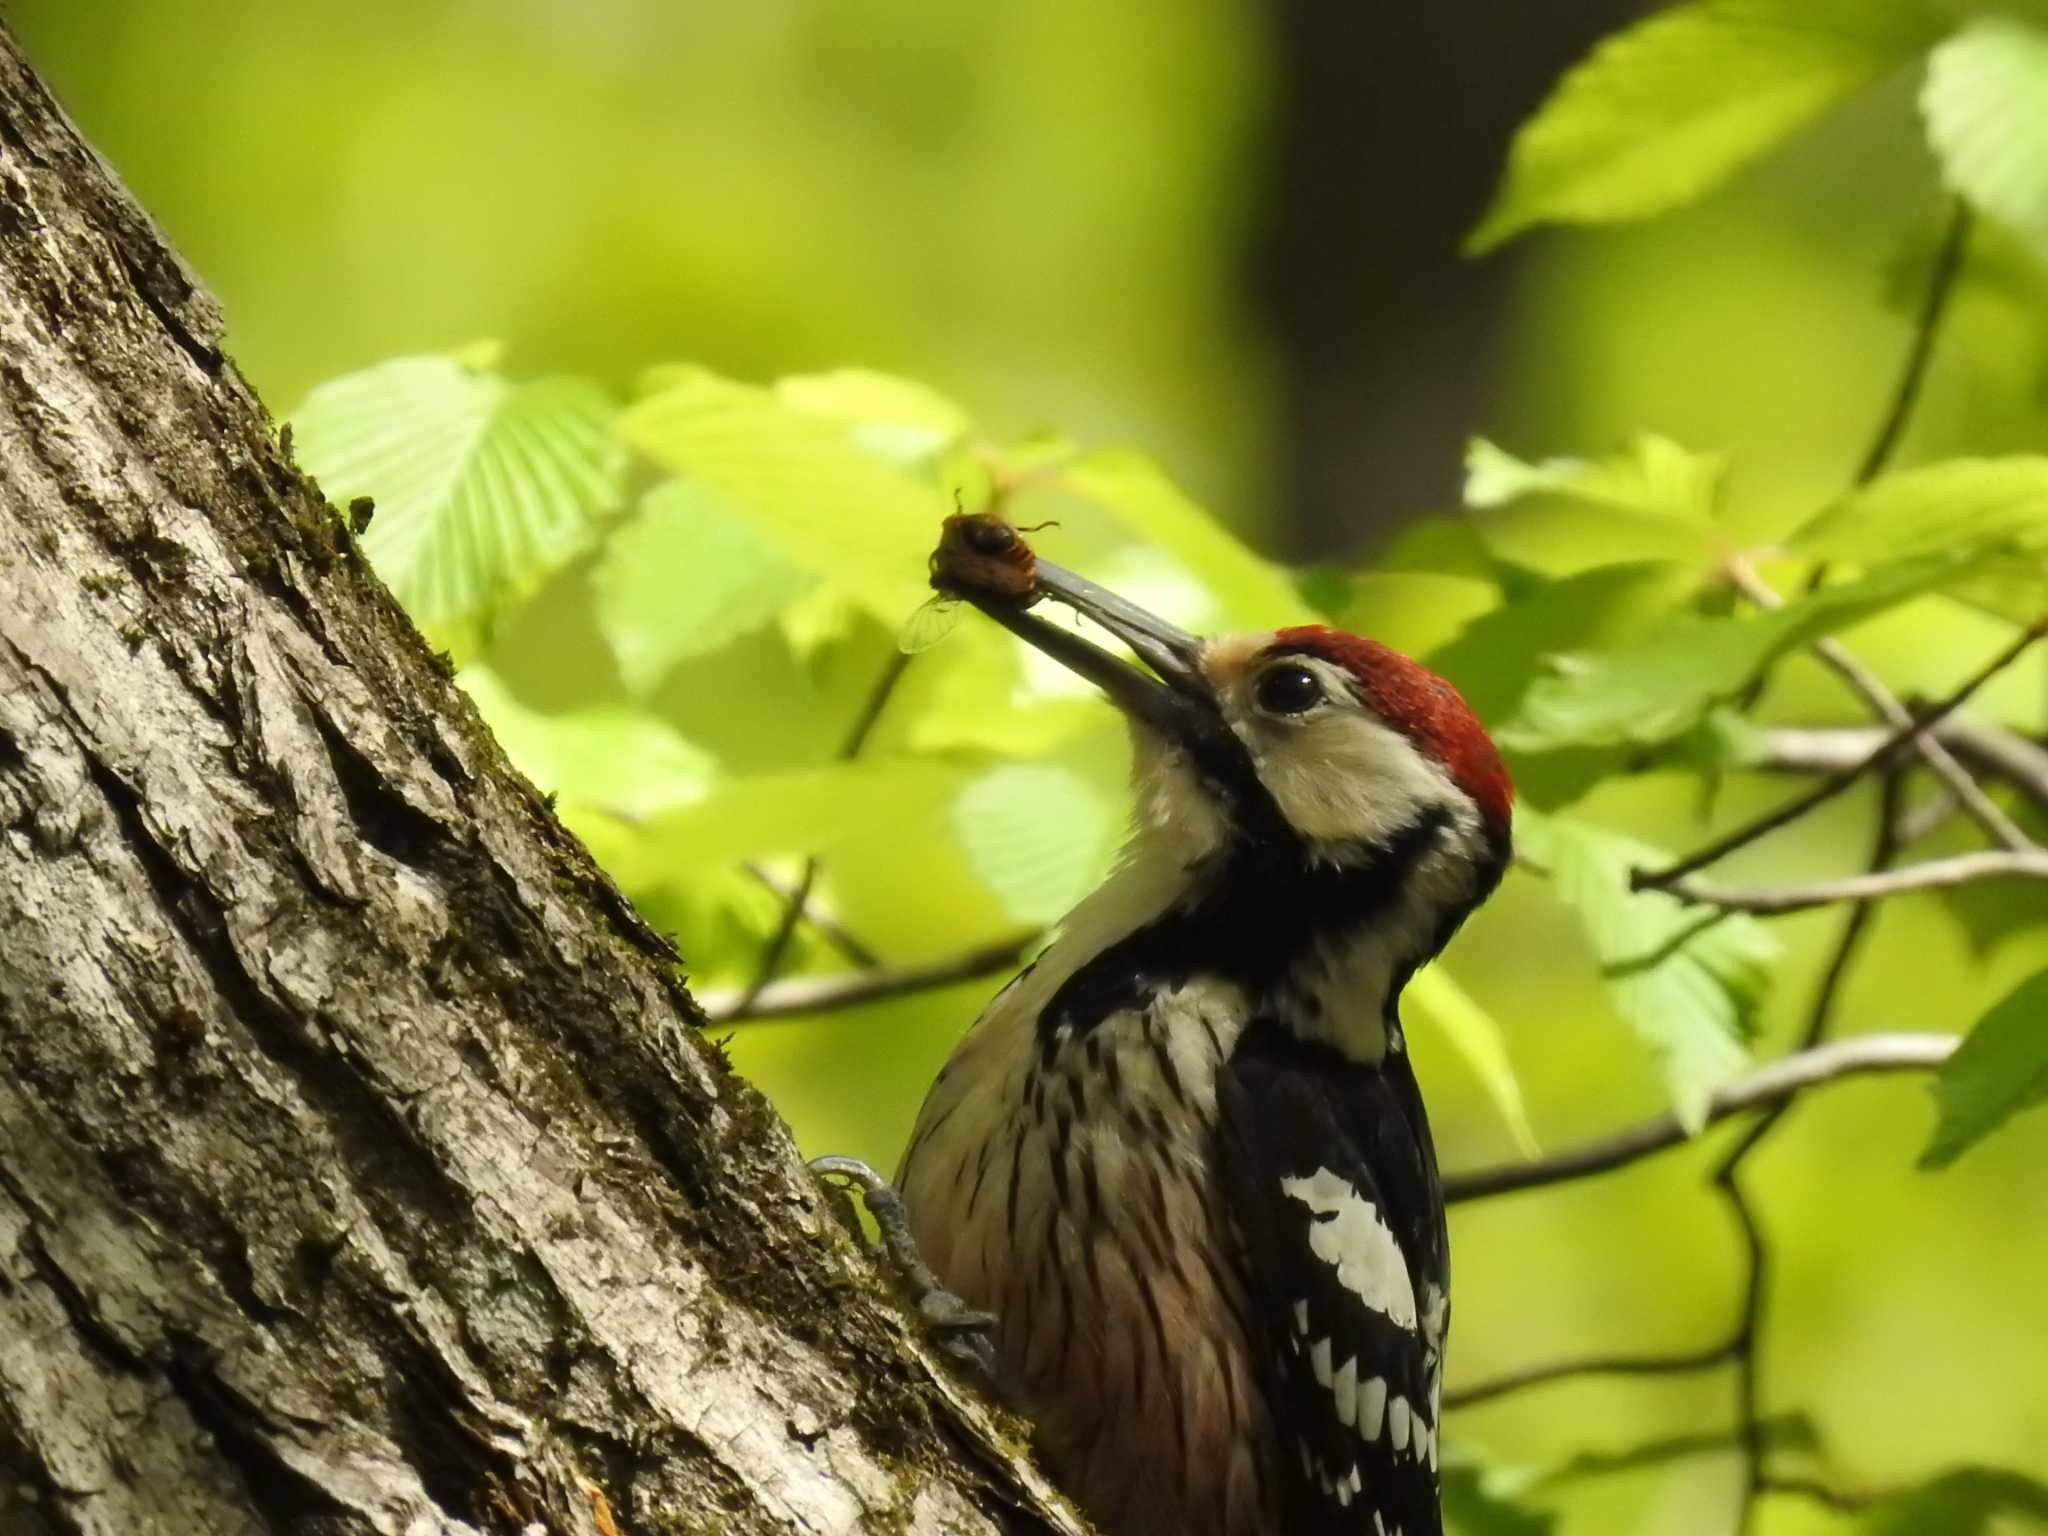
(963, 1334)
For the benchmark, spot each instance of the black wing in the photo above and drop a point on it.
(1332, 1181)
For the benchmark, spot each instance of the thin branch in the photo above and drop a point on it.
(1941, 285)
(1867, 686)
(1591, 1365)
(828, 927)
(824, 994)
(1989, 750)
(1934, 875)
(1756, 1263)
(1896, 742)
(1727, 1178)
(1842, 1500)
(777, 947)
(1858, 1056)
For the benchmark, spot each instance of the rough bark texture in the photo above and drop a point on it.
(360, 1169)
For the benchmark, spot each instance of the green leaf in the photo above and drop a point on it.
(1434, 1001)
(619, 761)
(1663, 685)
(1667, 110)
(1040, 837)
(1973, 505)
(1689, 983)
(1499, 655)
(1986, 105)
(1253, 592)
(895, 419)
(1655, 478)
(825, 810)
(1472, 1507)
(481, 485)
(1960, 1503)
(2000, 1069)
(683, 577)
(830, 505)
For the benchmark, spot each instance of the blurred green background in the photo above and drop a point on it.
(1224, 232)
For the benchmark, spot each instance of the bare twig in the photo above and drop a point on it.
(1756, 1262)
(1894, 743)
(1867, 686)
(1858, 1056)
(1941, 286)
(777, 947)
(824, 994)
(776, 950)
(1591, 1365)
(1988, 750)
(1934, 875)
(1727, 1177)
(1842, 1500)
(828, 927)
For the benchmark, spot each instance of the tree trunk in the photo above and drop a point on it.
(360, 1169)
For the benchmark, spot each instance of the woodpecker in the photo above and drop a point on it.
(1182, 1157)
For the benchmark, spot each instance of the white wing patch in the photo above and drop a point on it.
(1357, 1244)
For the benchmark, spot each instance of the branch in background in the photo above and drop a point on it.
(1894, 743)
(777, 948)
(1858, 1056)
(1591, 1365)
(1941, 286)
(1989, 750)
(1886, 705)
(1841, 1500)
(1934, 875)
(823, 994)
(1727, 1178)
(828, 927)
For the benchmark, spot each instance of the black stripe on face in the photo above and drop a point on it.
(1256, 912)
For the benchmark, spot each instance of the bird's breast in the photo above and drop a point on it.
(1062, 1177)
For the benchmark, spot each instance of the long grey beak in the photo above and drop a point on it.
(1172, 697)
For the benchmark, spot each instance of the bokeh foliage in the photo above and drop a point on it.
(672, 588)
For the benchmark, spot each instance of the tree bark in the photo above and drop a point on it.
(360, 1168)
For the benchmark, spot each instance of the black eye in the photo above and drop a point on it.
(1288, 690)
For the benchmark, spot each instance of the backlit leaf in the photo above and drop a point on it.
(619, 761)
(1435, 1002)
(1670, 108)
(1253, 592)
(1039, 836)
(1965, 1502)
(684, 576)
(1655, 478)
(1688, 982)
(1663, 685)
(897, 419)
(1973, 504)
(481, 485)
(2000, 1069)
(867, 803)
(830, 505)
(1474, 1507)
(1986, 105)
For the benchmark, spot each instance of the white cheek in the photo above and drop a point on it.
(1343, 776)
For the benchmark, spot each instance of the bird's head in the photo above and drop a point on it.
(1307, 742)
(1319, 785)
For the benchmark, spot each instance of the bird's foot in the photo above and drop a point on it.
(963, 1334)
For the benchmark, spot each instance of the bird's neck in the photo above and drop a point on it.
(1321, 947)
